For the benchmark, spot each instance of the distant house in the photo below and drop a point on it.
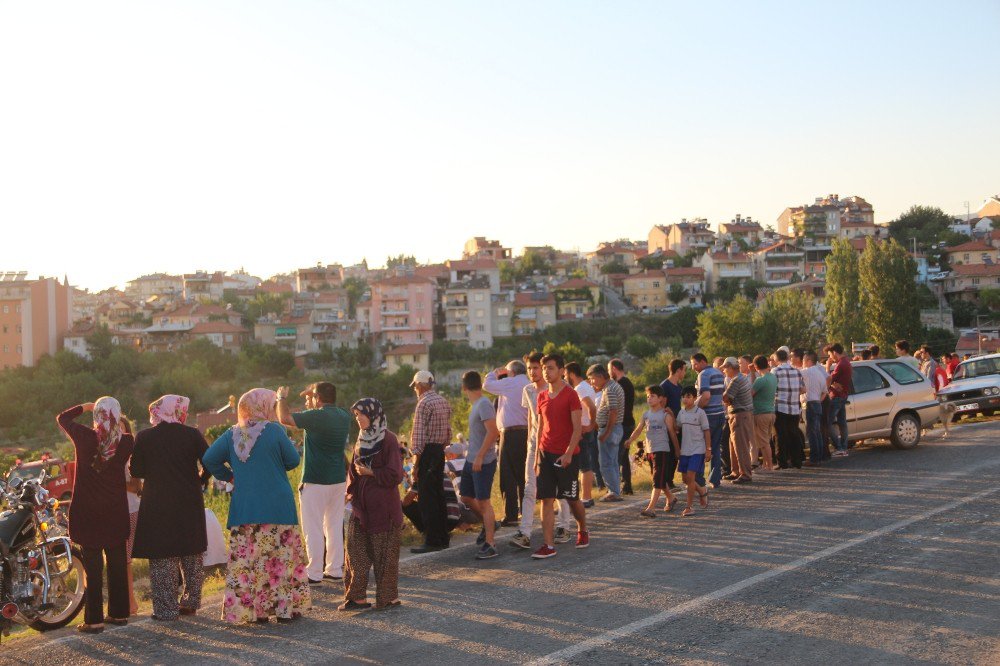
(626, 255)
(533, 311)
(741, 229)
(651, 289)
(681, 237)
(965, 281)
(725, 265)
(481, 248)
(973, 252)
(222, 334)
(778, 264)
(576, 298)
(417, 356)
(204, 286)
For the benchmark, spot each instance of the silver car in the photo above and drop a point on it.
(890, 399)
(975, 388)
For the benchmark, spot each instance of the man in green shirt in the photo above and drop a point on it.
(763, 390)
(324, 476)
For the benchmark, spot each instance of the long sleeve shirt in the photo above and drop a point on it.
(509, 391)
(375, 499)
(431, 422)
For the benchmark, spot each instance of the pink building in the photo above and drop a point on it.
(402, 310)
(34, 317)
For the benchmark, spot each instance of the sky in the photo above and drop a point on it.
(139, 137)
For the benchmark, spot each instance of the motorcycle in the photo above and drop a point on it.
(42, 582)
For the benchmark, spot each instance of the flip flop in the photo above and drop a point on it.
(647, 513)
(689, 511)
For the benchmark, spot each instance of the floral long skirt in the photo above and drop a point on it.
(266, 574)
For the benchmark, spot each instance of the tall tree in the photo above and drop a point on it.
(788, 317)
(844, 320)
(889, 302)
(677, 293)
(727, 328)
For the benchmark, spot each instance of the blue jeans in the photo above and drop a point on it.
(609, 458)
(814, 430)
(838, 417)
(717, 427)
(588, 452)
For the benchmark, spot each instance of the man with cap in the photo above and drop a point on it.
(739, 402)
(431, 433)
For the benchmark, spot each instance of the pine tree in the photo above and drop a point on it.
(890, 307)
(844, 321)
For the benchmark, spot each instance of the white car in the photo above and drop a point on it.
(975, 388)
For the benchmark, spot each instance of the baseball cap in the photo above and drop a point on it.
(422, 377)
(732, 362)
(785, 349)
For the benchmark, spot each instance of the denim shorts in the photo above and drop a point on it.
(589, 460)
(477, 485)
(695, 463)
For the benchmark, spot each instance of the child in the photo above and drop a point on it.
(693, 423)
(661, 436)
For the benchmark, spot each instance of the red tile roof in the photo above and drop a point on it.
(971, 246)
(576, 283)
(968, 344)
(415, 349)
(478, 264)
(217, 327)
(724, 256)
(200, 309)
(693, 271)
(645, 274)
(976, 270)
(531, 299)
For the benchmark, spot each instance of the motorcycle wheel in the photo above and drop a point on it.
(67, 592)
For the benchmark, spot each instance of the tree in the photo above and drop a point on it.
(614, 267)
(99, 343)
(640, 346)
(727, 328)
(889, 301)
(963, 312)
(844, 320)
(930, 226)
(400, 260)
(788, 317)
(941, 340)
(568, 351)
(355, 288)
(989, 298)
(677, 293)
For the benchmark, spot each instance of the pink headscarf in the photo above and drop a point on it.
(169, 409)
(255, 409)
(108, 427)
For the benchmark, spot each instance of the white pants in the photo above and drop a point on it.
(531, 491)
(323, 517)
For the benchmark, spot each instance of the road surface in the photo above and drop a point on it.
(889, 557)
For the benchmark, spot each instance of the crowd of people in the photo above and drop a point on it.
(556, 434)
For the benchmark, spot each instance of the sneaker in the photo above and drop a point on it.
(315, 582)
(521, 540)
(487, 552)
(588, 503)
(562, 535)
(544, 553)
(481, 539)
(743, 479)
(582, 539)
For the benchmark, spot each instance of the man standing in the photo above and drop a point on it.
(739, 399)
(480, 462)
(431, 433)
(558, 448)
(817, 385)
(763, 390)
(840, 387)
(787, 410)
(508, 384)
(324, 476)
(610, 414)
(710, 385)
(529, 400)
(903, 354)
(617, 371)
(589, 455)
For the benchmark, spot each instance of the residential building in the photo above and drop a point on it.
(468, 312)
(239, 281)
(742, 229)
(319, 278)
(190, 314)
(502, 305)
(778, 264)
(991, 207)
(223, 334)
(204, 286)
(692, 281)
(682, 237)
(416, 356)
(725, 265)
(651, 289)
(402, 309)
(120, 314)
(464, 269)
(75, 339)
(974, 344)
(850, 230)
(480, 248)
(155, 284)
(822, 219)
(337, 334)
(533, 311)
(163, 336)
(576, 299)
(625, 255)
(358, 271)
(973, 252)
(966, 280)
(293, 334)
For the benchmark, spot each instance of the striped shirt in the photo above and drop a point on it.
(786, 397)
(612, 397)
(431, 422)
(712, 380)
(738, 392)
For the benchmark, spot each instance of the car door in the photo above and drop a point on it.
(871, 401)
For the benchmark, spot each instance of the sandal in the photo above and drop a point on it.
(647, 513)
(703, 499)
(90, 628)
(689, 511)
(670, 504)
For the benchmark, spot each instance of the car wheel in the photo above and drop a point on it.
(905, 431)
(989, 412)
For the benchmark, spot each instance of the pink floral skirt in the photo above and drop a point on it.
(266, 574)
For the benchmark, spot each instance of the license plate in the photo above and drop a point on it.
(967, 408)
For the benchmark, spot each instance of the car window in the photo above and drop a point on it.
(902, 373)
(867, 379)
(978, 368)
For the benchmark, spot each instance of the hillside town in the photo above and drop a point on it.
(488, 292)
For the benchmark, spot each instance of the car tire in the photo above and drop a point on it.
(905, 431)
(988, 412)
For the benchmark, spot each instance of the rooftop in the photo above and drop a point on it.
(532, 298)
(414, 349)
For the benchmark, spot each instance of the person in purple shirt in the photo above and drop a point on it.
(508, 384)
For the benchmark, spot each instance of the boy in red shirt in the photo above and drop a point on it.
(556, 466)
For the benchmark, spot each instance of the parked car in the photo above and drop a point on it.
(889, 399)
(60, 474)
(975, 387)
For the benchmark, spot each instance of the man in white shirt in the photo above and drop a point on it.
(817, 384)
(508, 384)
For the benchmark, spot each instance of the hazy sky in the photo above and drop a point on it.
(168, 136)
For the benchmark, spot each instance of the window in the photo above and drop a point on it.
(503, 311)
(416, 359)
(6, 309)
(975, 280)
(656, 284)
(480, 314)
(17, 308)
(478, 297)
(902, 373)
(867, 379)
(480, 328)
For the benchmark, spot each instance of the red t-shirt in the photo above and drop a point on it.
(940, 378)
(557, 419)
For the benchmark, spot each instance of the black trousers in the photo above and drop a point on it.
(790, 439)
(624, 459)
(93, 567)
(513, 452)
(430, 495)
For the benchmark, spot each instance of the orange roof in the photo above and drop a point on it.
(431, 271)
(415, 348)
(693, 271)
(724, 256)
(201, 309)
(740, 227)
(576, 283)
(530, 299)
(976, 270)
(272, 287)
(83, 327)
(971, 246)
(651, 273)
(217, 327)
(477, 264)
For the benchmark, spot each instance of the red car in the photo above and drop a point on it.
(60, 472)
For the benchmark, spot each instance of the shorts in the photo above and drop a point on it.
(661, 468)
(477, 485)
(558, 482)
(695, 463)
(588, 452)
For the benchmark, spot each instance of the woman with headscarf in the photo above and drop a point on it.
(376, 523)
(98, 515)
(266, 574)
(170, 532)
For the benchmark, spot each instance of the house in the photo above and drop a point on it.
(576, 298)
(416, 356)
(613, 254)
(850, 229)
(778, 264)
(293, 334)
(824, 218)
(480, 248)
(468, 312)
(472, 268)
(204, 286)
(964, 281)
(402, 309)
(164, 337)
(533, 311)
(199, 313)
(682, 237)
(646, 290)
(336, 334)
(973, 252)
(742, 229)
(119, 314)
(502, 306)
(725, 265)
(223, 334)
(155, 284)
(319, 278)
(692, 285)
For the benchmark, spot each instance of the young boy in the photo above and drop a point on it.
(696, 444)
(661, 435)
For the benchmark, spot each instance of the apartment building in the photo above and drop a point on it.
(724, 265)
(319, 278)
(622, 254)
(204, 286)
(416, 356)
(691, 279)
(468, 312)
(965, 281)
(651, 289)
(778, 264)
(156, 284)
(402, 310)
(120, 314)
(682, 237)
(533, 311)
(466, 269)
(223, 334)
(502, 305)
(743, 229)
(34, 317)
(822, 220)
(481, 248)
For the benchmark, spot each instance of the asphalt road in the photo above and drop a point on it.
(889, 557)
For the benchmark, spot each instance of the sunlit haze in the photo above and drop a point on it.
(138, 137)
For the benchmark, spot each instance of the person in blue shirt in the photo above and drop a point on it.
(710, 386)
(266, 574)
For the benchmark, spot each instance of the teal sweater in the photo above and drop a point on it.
(261, 492)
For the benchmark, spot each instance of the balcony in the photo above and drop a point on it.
(735, 273)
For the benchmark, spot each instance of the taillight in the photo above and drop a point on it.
(9, 610)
